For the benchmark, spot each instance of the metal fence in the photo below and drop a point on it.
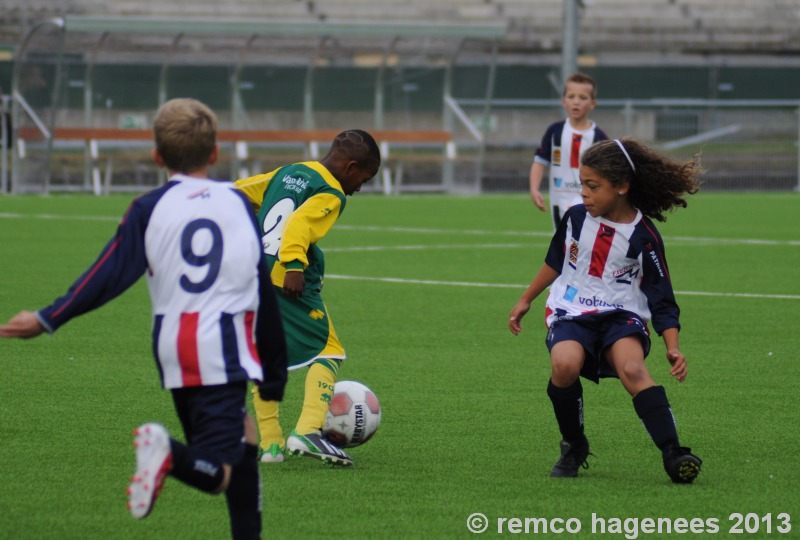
(744, 145)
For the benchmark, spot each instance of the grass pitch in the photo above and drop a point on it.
(419, 288)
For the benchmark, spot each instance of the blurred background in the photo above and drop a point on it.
(460, 91)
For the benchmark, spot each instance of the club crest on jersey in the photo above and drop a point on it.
(573, 253)
(557, 156)
(316, 314)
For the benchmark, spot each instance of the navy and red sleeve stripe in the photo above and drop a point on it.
(120, 264)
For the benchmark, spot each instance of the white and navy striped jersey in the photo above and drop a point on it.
(561, 149)
(198, 243)
(606, 266)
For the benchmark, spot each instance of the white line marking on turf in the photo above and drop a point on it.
(51, 216)
(687, 239)
(522, 287)
(473, 232)
(429, 246)
(701, 240)
(419, 230)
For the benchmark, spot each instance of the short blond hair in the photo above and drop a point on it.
(581, 78)
(185, 132)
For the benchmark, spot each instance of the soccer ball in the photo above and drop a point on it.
(354, 414)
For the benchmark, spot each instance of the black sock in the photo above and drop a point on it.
(244, 496)
(195, 469)
(568, 406)
(653, 408)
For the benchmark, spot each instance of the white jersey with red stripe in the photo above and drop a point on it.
(606, 267)
(199, 245)
(561, 149)
(202, 276)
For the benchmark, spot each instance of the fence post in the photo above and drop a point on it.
(5, 139)
(797, 145)
(627, 113)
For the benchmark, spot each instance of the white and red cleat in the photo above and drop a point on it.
(153, 463)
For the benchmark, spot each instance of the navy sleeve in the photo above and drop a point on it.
(121, 263)
(555, 254)
(546, 146)
(656, 283)
(599, 135)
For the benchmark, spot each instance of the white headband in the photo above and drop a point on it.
(628, 157)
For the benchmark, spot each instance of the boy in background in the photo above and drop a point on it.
(198, 244)
(562, 145)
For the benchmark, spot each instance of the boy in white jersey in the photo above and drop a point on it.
(608, 280)
(562, 145)
(211, 295)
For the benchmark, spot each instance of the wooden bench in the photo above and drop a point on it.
(269, 135)
(241, 139)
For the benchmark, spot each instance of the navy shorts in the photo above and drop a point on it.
(597, 332)
(213, 419)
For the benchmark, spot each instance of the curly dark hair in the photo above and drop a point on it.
(658, 185)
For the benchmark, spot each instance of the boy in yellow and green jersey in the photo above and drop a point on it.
(297, 205)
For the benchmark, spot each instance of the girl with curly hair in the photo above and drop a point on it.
(609, 281)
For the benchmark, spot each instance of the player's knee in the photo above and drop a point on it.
(565, 367)
(634, 374)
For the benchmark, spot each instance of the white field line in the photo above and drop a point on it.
(6, 215)
(522, 286)
(467, 232)
(476, 232)
(432, 246)
(681, 240)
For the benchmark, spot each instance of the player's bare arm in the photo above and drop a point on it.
(536, 175)
(543, 279)
(22, 325)
(675, 357)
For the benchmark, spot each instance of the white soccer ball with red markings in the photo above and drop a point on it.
(354, 414)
